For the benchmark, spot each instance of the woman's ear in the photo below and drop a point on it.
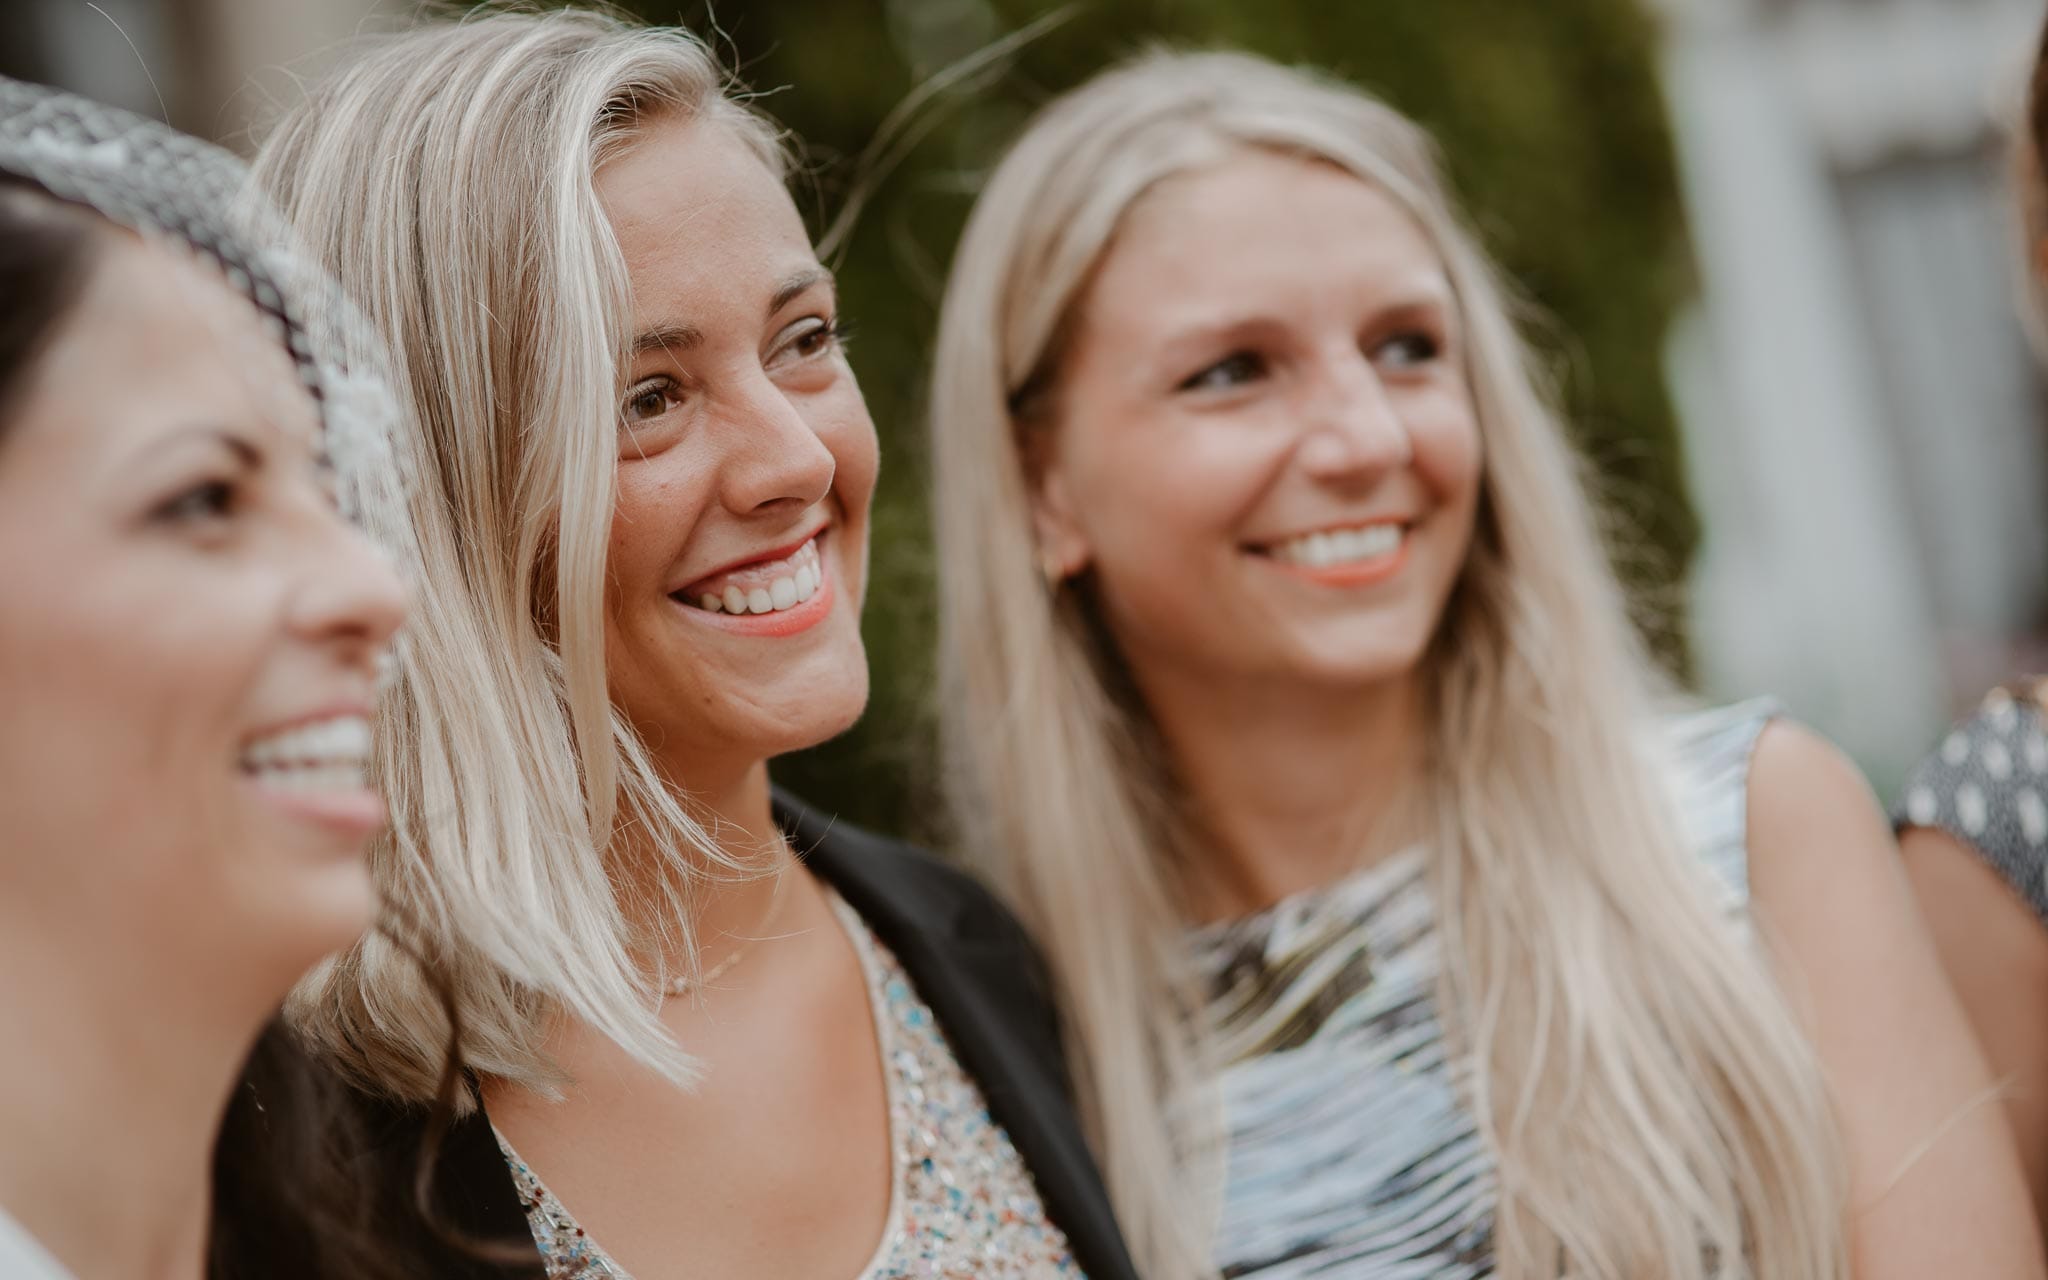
(1063, 549)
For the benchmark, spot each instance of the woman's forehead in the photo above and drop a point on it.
(1261, 225)
(158, 334)
(712, 244)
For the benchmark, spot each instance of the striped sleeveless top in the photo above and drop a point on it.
(1350, 1151)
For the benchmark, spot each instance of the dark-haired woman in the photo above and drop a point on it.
(190, 634)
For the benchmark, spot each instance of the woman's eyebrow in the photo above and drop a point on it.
(667, 337)
(796, 284)
(682, 337)
(200, 432)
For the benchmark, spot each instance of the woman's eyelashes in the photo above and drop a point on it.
(810, 338)
(654, 397)
(204, 503)
(1408, 348)
(649, 399)
(1233, 370)
(212, 493)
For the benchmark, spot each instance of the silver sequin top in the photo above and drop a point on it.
(963, 1206)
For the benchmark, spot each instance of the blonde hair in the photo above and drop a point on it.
(1652, 1104)
(445, 176)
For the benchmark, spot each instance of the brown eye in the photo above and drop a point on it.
(202, 503)
(818, 339)
(649, 400)
(807, 340)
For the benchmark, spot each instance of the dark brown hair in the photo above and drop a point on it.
(304, 1170)
(47, 251)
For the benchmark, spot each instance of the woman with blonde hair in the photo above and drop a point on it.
(713, 1033)
(1291, 693)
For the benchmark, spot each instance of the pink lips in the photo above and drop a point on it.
(697, 587)
(313, 767)
(360, 814)
(784, 622)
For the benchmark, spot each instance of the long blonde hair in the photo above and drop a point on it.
(445, 176)
(1652, 1104)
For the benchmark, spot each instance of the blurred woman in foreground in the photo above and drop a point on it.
(189, 641)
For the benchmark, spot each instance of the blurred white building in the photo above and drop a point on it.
(205, 65)
(1862, 414)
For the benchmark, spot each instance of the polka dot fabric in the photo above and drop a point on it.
(1987, 785)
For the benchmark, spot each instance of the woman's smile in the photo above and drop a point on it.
(317, 769)
(781, 594)
(1357, 555)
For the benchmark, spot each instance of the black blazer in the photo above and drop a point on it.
(970, 961)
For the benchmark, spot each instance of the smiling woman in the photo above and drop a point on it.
(737, 1037)
(189, 653)
(1251, 553)
(1290, 690)
(212, 484)
(737, 375)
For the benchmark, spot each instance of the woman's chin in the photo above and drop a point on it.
(316, 914)
(826, 715)
(824, 696)
(709, 753)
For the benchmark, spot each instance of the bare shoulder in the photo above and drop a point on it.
(1935, 1185)
(1828, 889)
(1816, 833)
(1795, 770)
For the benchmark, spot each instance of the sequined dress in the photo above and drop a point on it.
(963, 1206)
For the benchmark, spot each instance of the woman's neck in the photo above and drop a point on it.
(113, 1099)
(1291, 788)
(730, 910)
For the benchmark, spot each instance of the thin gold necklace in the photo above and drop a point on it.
(683, 983)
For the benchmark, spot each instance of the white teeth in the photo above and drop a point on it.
(1342, 546)
(327, 755)
(785, 591)
(306, 778)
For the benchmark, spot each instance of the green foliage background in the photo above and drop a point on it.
(1551, 123)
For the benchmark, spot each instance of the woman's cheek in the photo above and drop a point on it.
(1448, 449)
